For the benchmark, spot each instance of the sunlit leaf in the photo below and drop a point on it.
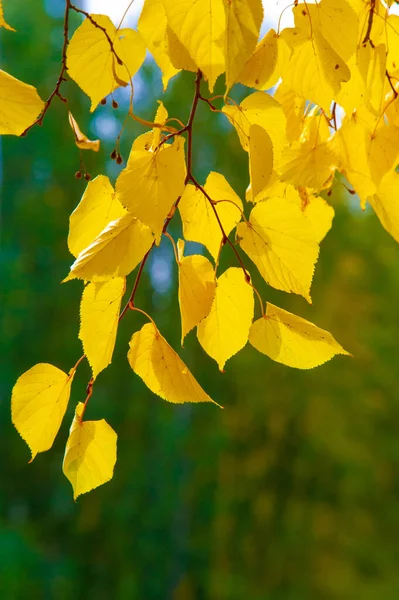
(152, 182)
(152, 26)
(161, 369)
(200, 26)
(99, 313)
(261, 69)
(280, 240)
(38, 404)
(94, 65)
(291, 340)
(225, 330)
(90, 453)
(243, 21)
(20, 105)
(115, 252)
(98, 207)
(386, 203)
(199, 220)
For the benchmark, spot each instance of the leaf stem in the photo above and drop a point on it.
(174, 247)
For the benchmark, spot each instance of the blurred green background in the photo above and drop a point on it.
(291, 492)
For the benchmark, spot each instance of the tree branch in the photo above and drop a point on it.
(61, 77)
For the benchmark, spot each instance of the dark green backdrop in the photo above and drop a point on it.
(290, 493)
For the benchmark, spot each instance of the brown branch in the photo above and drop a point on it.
(93, 22)
(61, 77)
(370, 24)
(225, 239)
(395, 93)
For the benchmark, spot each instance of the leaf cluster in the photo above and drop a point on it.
(322, 105)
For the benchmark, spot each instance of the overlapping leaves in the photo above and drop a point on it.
(334, 114)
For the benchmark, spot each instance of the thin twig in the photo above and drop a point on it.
(61, 77)
(370, 24)
(93, 22)
(225, 238)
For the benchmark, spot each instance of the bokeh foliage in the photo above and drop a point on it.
(290, 492)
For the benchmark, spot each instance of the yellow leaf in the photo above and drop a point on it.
(225, 330)
(151, 183)
(291, 340)
(81, 140)
(97, 208)
(90, 454)
(353, 142)
(93, 65)
(152, 26)
(243, 21)
(366, 85)
(310, 165)
(390, 37)
(115, 252)
(196, 290)
(314, 70)
(161, 369)
(20, 105)
(259, 109)
(3, 22)
(293, 107)
(38, 404)
(199, 220)
(260, 160)
(261, 69)
(280, 240)
(386, 205)
(178, 53)
(200, 26)
(99, 314)
(318, 211)
(367, 154)
(337, 22)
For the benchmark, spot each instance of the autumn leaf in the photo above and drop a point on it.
(20, 105)
(291, 340)
(200, 27)
(115, 252)
(151, 183)
(243, 21)
(200, 223)
(279, 239)
(3, 22)
(161, 369)
(99, 315)
(385, 203)
(261, 69)
(152, 26)
(97, 208)
(101, 59)
(81, 140)
(225, 330)
(90, 453)
(38, 404)
(196, 289)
